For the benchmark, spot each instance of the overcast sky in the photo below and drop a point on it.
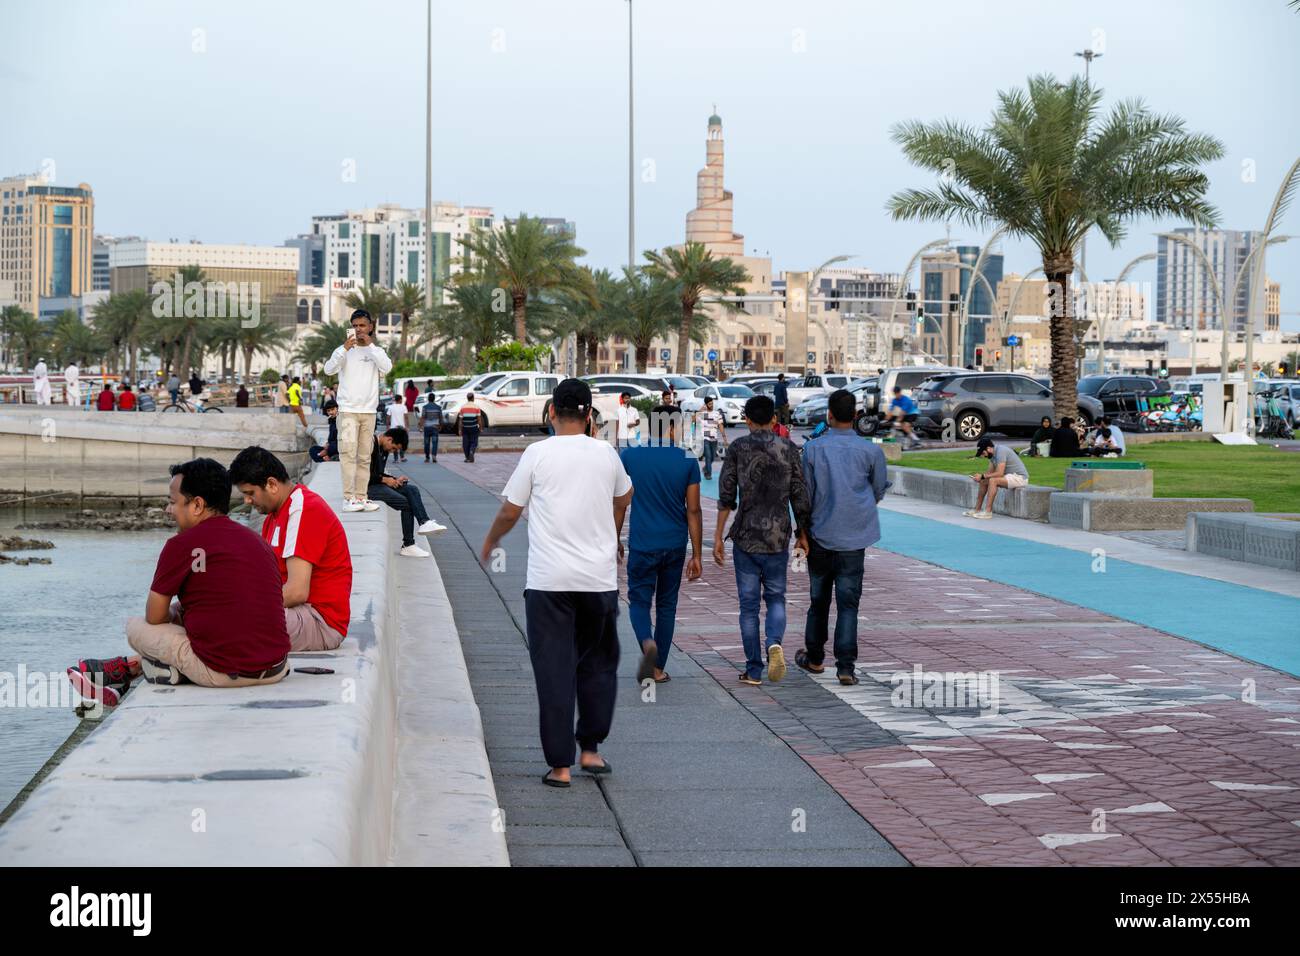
(235, 121)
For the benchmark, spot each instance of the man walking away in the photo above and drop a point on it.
(571, 600)
(412, 393)
(763, 470)
(781, 397)
(308, 540)
(41, 382)
(667, 512)
(431, 421)
(846, 479)
(714, 428)
(359, 363)
(397, 419)
(467, 423)
(1005, 470)
(295, 400)
(399, 494)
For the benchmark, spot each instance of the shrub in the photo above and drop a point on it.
(410, 368)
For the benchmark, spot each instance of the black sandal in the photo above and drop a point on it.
(801, 660)
(604, 768)
(552, 782)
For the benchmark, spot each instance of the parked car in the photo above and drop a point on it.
(728, 399)
(1119, 394)
(812, 411)
(681, 384)
(517, 398)
(979, 402)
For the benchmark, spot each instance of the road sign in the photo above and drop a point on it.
(699, 370)
(699, 355)
(665, 354)
(812, 356)
(1013, 340)
(713, 355)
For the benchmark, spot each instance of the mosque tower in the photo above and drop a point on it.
(710, 222)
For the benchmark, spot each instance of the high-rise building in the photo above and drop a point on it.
(271, 272)
(1272, 305)
(46, 237)
(1184, 294)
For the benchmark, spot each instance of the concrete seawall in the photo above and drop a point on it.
(58, 454)
(306, 772)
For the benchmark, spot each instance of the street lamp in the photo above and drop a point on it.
(903, 279)
(1105, 318)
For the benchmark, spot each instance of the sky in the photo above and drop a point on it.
(237, 121)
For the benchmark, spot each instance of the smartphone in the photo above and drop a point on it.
(313, 670)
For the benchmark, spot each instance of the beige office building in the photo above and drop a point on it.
(1272, 305)
(47, 236)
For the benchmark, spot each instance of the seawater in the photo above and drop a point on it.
(52, 615)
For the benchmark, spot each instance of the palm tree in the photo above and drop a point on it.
(71, 340)
(407, 299)
(319, 344)
(374, 298)
(649, 309)
(1049, 169)
(262, 336)
(9, 315)
(525, 258)
(595, 318)
(27, 336)
(476, 316)
(696, 273)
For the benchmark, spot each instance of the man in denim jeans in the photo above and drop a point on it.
(846, 478)
(764, 470)
(665, 511)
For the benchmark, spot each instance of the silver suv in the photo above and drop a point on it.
(978, 402)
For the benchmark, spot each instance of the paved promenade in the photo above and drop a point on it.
(1114, 744)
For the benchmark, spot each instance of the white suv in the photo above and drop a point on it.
(517, 398)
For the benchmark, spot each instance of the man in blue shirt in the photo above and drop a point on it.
(846, 477)
(903, 408)
(665, 510)
(781, 398)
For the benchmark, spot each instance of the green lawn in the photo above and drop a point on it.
(1271, 478)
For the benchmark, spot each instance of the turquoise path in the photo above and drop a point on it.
(1259, 626)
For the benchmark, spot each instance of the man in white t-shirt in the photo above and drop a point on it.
(628, 419)
(72, 383)
(571, 595)
(397, 419)
(41, 382)
(359, 363)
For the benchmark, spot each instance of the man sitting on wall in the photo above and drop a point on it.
(399, 494)
(330, 450)
(307, 538)
(226, 628)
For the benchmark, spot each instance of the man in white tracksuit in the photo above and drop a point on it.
(41, 382)
(359, 363)
(72, 379)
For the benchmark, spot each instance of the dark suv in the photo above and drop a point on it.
(1119, 394)
(978, 402)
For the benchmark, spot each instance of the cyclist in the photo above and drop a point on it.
(903, 410)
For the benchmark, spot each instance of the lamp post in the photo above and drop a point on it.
(978, 270)
(903, 279)
(1204, 261)
(1101, 333)
(428, 164)
(631, 162)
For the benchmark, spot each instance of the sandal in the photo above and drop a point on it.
(663, 680)
(552, 782)
(597, 771)
(801, 659)
(848, 678)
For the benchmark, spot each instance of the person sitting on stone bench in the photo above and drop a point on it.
(308, 539)
(330, 450)
(226, 628)
(399, 494)
(1005, 470)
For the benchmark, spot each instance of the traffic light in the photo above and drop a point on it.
(979, 356)
(1151, 366)
(1164, 369)
(1283, 370)
(997, 356)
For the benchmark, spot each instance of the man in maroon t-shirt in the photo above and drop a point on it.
(308, 539)
(227, 627)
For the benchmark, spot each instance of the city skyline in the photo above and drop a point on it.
(810, 177)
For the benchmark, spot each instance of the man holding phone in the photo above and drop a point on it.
(359, 363)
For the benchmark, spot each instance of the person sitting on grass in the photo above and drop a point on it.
(1103, 442)
(399, 494)
(1005, 470)
(1116, 435)
(330, 450)
(307, 538)
(226, 627)
(1043, 433)
(1065, 440)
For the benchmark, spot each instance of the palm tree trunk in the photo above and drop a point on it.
(185, 355)
(248, 363)
(593, 355)
(520, 303)
(642, 357)
(1065, 377)
(684, 335)
(580, 356)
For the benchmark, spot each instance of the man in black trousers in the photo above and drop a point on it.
(571, 596)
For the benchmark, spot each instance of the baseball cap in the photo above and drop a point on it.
(572, 394)
(982, 444)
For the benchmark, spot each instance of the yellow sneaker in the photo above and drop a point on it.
(775, 663)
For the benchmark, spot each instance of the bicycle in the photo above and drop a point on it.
(185, 405)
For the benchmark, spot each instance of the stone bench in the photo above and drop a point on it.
(1032, 501)
(1097, 479)
(1099, 512)
(1253, 539)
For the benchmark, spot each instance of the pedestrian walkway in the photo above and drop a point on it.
(1113, 742)
(697, 780)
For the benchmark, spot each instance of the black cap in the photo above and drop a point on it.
(572, 394)
(982, 444)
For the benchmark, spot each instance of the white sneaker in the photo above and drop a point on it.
(431, 527)
(970, 514)
(368, 505)
(353, 504)
(983, 514)
(413, 551)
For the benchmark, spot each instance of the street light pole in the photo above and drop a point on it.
(631, 161)
(1088, 57)
(428, 166)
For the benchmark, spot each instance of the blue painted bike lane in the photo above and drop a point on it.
(1259, 626)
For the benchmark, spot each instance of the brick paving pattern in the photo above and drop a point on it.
(1113, 743)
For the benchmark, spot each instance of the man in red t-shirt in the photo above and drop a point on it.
(104, 402)
(226, 628)
(126, 399)
(307, 537)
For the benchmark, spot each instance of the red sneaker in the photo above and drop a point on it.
(91, 686)
(115, 670)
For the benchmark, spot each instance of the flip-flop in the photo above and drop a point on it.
(801, 660)
(646, 668)
(604, 768)
(552, 782)
(663, 680)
